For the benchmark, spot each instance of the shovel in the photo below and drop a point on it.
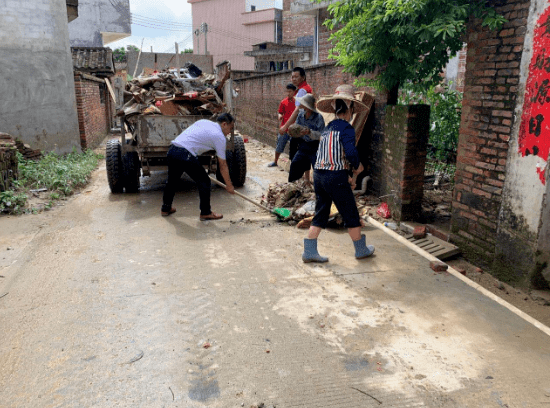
(281, 213)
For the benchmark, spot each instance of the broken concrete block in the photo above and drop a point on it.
(438, 266)
(419, 232)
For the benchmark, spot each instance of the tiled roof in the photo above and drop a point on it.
(93, 60)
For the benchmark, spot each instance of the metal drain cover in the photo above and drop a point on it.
(435, 246)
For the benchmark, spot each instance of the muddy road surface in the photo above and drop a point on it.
(104, 303)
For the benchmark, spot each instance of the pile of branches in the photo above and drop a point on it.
(188, 92)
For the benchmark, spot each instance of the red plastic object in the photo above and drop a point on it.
(191, 95)
(383, 210)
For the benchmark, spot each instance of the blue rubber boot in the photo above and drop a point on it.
(362, 250)
(310, 252)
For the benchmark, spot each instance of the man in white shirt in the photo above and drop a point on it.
(202, 136)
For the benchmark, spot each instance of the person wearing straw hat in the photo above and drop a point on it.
(336, 157)
(311, 125)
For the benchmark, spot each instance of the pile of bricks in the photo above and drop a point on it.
(27, 152)
(8, 161)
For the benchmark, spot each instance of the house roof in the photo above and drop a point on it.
(93, 60)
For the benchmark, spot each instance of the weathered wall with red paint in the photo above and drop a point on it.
(504, 138)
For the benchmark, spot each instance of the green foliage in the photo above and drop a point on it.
(445, 110)
(60, 175)
(120, 53)
(402, 40)
(12, 201)
(187, 51)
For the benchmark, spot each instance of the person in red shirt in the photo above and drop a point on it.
(286, 108)
(298, 78)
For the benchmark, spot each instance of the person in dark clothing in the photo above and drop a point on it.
(200, 137)
(336, 157)
(313, 124)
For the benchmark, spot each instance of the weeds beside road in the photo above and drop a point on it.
(56, 175)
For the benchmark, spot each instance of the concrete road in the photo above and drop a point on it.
(107, 304)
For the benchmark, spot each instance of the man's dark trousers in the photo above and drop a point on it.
(181, 161)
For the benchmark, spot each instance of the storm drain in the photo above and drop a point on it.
(435, 246)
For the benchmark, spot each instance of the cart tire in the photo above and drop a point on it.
(237, 164)
(228, 158)
(132, 172)
(115, 170)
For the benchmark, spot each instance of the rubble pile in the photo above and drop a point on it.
(27, 152)
(8, 161)
(188, 92)
(300, 198)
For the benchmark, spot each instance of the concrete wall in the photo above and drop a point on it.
(96, 17)
(147, 60)
(38, 102)
(232, 32)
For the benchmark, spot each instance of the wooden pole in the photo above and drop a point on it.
(178, 59)
(139, 56)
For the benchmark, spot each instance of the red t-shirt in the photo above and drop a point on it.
(305, 86)
(286, 108)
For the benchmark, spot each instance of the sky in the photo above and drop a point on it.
(162, 23)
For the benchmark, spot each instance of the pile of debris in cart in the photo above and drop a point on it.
(183, 93)
(299, 197)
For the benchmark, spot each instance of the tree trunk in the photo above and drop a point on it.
(393, 95)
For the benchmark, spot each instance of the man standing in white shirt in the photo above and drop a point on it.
(202, 136)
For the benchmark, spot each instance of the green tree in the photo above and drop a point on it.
(120, 53)
(402, 40)
(187, 51)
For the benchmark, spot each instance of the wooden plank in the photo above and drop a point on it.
(110, 90)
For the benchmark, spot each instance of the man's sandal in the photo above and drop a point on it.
(167, 213)
(211, 216)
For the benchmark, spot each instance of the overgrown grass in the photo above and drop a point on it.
(60, 175)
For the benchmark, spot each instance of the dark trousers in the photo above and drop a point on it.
(181, 161)
(293, 146)
(303, 160)
(333, 186)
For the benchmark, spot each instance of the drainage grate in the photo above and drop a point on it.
(435, 246)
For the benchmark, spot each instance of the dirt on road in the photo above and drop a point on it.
(105, 303)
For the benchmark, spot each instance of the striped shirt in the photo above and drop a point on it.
(337, 149)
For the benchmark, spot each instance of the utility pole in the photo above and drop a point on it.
(197, 33)
(204, 29)
(178, 58)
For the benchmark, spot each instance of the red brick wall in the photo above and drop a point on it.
(490, 91)
(295, 25)
(259, 98)
(93, 116)
(324, 34)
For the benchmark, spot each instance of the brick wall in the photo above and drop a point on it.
(260, 95)
(324, 34)
(490, 91)
(404, 159)
(295, 25)
(93, 109)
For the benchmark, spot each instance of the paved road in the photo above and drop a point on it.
(110, 305)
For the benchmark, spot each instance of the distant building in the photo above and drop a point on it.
(100, 22)
(270, 56)
(226, 29)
